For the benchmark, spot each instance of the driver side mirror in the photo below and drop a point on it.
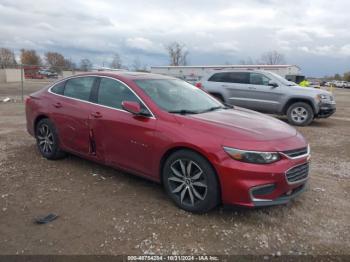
(273, 84)
(132, 107)
(135, 108)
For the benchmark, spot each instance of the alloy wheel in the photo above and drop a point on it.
(45, 139)
(299, 114)
(187, 181)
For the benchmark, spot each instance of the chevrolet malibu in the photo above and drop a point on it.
(203, 152)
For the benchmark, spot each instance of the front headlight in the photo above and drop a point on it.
(321, 97)
(252, 156)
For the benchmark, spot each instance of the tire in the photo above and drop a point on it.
(300, 114)
(194, 189)
(47, 140)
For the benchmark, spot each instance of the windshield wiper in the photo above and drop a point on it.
(183, 112)
(213, 109)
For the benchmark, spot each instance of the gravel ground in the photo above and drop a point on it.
(105, 211)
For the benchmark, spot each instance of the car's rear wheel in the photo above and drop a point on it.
(191, 181)
(47, 140)
(300, 114)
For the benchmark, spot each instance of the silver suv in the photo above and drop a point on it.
(269, 93)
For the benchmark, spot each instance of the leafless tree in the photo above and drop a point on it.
(138, 66)
(272, 58)
(69, 65)
(177, 54)
(30, 57)
(7, 58)
(337, 77)
(56, 61)
(346, 76)
(116, 62)
(85, 64)
(248, 61)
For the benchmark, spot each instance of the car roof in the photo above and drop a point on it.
(127, 74)
(238, 71)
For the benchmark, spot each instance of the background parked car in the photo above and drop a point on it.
(342, 84)
(269, 93)
(48, 73)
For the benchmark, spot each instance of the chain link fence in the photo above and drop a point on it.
(18, 81)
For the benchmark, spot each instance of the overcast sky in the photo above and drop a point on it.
(313, 34)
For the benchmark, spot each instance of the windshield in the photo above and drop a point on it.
(282, 80)
(177, 96)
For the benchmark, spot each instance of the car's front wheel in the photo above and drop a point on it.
(191, 181)
(47, 140)
(300, 114)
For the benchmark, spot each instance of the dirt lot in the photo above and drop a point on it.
(104, 211)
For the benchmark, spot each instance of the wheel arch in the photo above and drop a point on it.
(37, 119)
(298, 99)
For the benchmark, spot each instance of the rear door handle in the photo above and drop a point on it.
(57, 105)
(96, 115)
(251, 87)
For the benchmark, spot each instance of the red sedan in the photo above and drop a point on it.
(203, 152)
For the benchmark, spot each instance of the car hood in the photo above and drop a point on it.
(309, 90)
(239, 124)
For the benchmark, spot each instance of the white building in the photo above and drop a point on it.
(195, 73)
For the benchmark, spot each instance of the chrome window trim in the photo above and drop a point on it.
(118, 109)
(298, 157)
(299, 181)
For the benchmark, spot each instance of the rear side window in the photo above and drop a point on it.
(258, 79)
(218, 77)
(231, 77)
(79, 87)
(58, 88)
(112, 93)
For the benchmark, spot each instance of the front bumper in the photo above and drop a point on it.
(326, 110)
(254, 185)
(283, 199)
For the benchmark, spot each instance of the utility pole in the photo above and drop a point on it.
(22, 80)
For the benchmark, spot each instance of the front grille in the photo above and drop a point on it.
(296, 152)
(298, 173)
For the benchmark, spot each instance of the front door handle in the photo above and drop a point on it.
(96, 115)
(252, 88)
(57, 105)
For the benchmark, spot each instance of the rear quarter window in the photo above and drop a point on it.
(218, 77)
(58, 88)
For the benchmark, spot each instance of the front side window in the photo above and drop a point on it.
(79, 87)
(177, 96)
(258, 79)
(281, 79)
(112, 93)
